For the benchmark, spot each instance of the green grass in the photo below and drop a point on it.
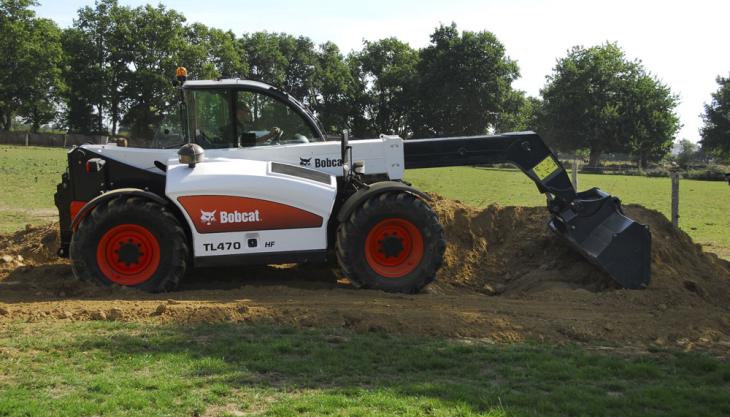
(703, 205)
(122, 369)
(29, 177)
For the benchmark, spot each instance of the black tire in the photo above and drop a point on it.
(400, 219)
(116, 235)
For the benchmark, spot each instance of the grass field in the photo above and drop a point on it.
(29, 177)
(123, 369)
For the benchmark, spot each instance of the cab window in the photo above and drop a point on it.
(229, 118)
(264, 120)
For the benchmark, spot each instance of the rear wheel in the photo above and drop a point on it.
(133, 242)
(393, 242)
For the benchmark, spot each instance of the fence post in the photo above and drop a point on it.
(27, 139)
(675, 198)
(575, 174)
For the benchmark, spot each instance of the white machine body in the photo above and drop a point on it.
(250, 207)
(241, 183)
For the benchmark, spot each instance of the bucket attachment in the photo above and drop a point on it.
(595, 225)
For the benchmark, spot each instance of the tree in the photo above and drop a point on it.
(266, 62)
(464, 81)
(651, 123)
(520, 113)
(300, 67)
(284, 61)
(15, 16)
(598, 100)
(386, 71)
(716, 130)
(120, 64)
(29, 68)
(210, 53)
(334, 101)
(687, 152)
(83, 80)
(42, 55)
(101, 34)
(149, 95)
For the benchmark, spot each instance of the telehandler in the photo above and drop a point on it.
(248, 176)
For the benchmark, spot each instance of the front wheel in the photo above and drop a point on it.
(393, 242)
(133, 242)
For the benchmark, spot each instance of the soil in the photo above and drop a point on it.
(505, 278)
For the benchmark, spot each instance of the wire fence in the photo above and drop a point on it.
(57, 140)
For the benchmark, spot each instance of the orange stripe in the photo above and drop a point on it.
(219, 213)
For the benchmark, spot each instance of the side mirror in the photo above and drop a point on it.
(190, 154)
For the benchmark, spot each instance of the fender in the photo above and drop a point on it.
(374, 190)
(86, 209)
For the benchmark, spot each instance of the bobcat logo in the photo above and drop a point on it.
(305, 162)
(207, 217)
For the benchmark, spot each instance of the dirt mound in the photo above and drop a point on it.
(31, 246)
(495, 251)
(511, 251)
(546, 290)
(508, 250)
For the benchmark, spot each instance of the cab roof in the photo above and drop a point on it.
(229, 83)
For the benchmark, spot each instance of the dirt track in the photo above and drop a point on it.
(506, 278)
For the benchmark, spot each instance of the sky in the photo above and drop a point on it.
(682, 43)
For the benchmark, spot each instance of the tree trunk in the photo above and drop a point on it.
(35, 125)
(7, 121)
(114, 106)
(100, 122)
(115, 114)
(594, 158)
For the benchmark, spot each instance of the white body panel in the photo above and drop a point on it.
(216, 184)
(381, 156)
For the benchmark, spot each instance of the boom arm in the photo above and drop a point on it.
(526, 150)
(591, 221)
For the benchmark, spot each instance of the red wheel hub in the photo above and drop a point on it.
(128, 254)
(394, 247)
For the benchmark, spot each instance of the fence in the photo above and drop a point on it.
(48, 139)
